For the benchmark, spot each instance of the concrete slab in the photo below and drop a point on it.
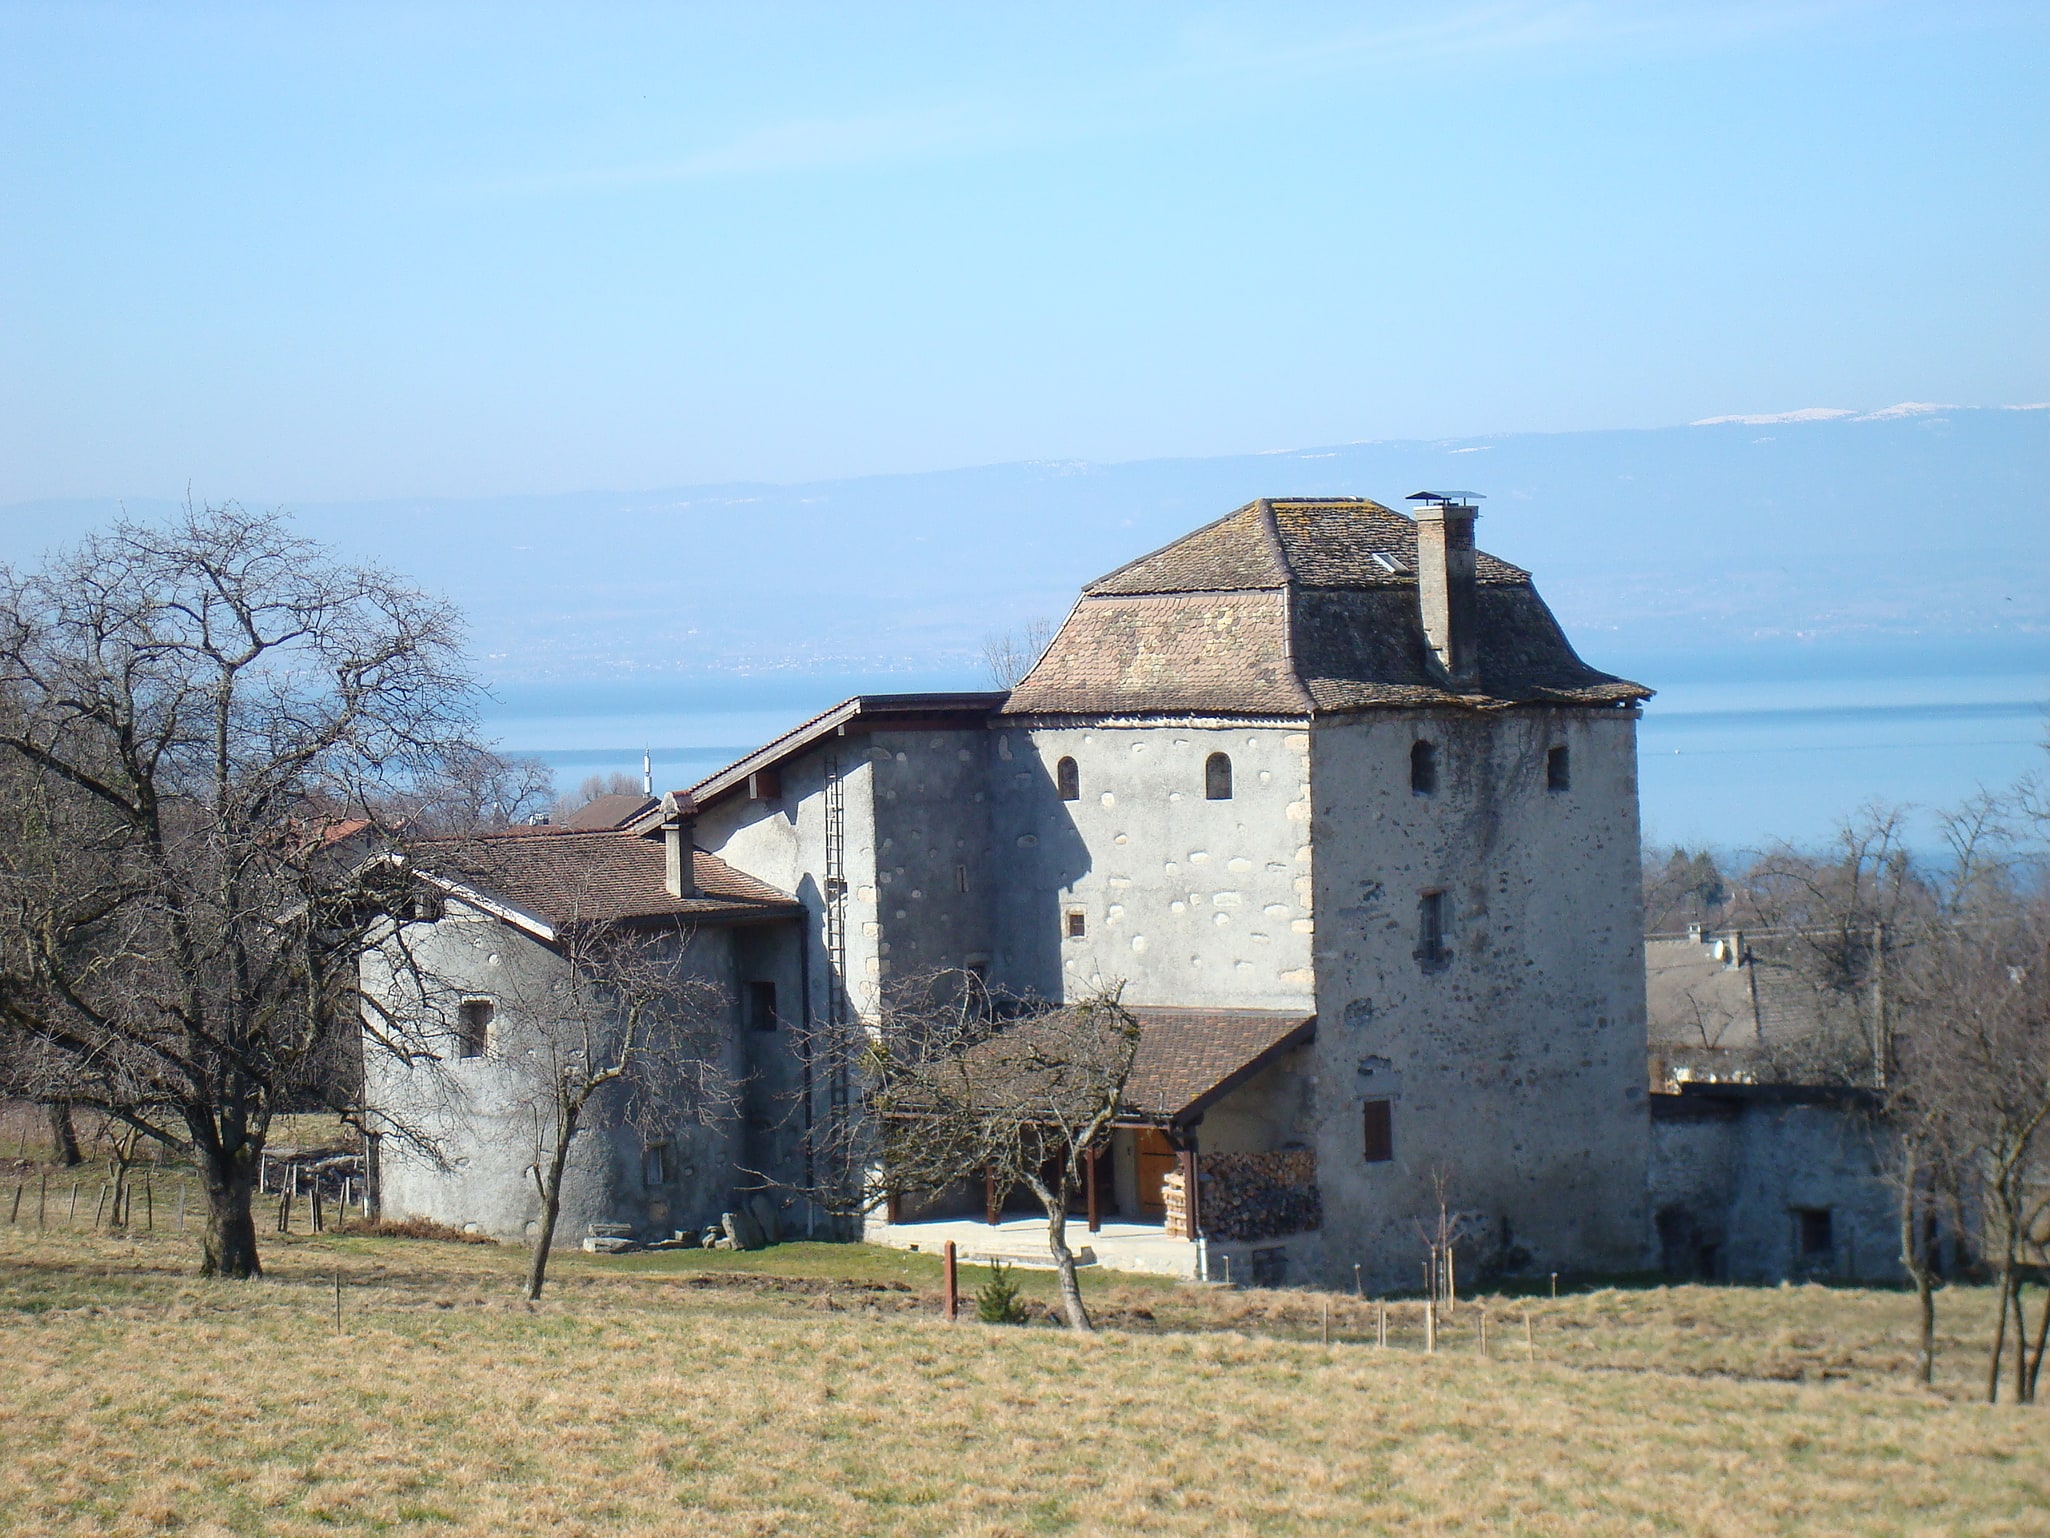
(1142, 1247)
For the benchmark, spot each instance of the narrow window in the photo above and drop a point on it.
(1558, 771)
(1817, 1233)
(1423, 769)
(1379, 1126)
(655, 1165)
(1077, 925)
(761, 1006)
(1217, 777)
(473, 1027)
(960, 878)
(1067, 779)
(1430, 945)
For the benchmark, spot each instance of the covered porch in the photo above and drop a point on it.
(1209, 1108)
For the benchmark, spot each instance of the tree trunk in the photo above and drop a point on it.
(64, 1136)
(228, 1247)
(551, 1208)
(1915, 1256)
(2005, 1286)
(2042, 1339)
(2021, 1340)
(1064, 1259)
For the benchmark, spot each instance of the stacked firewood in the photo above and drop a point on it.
(1259, 1195)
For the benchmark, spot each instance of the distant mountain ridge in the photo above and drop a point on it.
(1918, 530)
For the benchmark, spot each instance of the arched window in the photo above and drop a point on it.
(1423, 768)
(1217, 777)
(1558, 770)
(1067, 780)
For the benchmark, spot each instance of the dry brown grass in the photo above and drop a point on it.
(784, 1394)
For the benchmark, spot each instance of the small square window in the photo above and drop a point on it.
(1817, 1233)
(473, 1027)
(1077, 924)
(1378, 1127)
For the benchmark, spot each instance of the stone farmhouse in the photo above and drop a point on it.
(1325, 787)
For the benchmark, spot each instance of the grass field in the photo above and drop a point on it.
(812, 1389)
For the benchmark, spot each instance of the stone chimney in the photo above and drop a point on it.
(1445, 580)
(679, 830)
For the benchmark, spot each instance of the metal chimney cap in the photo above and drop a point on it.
(1446, 498)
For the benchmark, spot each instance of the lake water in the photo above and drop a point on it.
(1728, 764)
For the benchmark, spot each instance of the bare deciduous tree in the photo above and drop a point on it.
(959, 1085)
(1008, 655)
(197, 721)
(624, 1018)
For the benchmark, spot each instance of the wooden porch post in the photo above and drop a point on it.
(1089, 1171)
(1192, 1189)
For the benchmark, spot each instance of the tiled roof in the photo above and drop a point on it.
(566, 878)
(607, 812)
(1191, 652)
(1278, 541)
(1189, 1058)
(879, 711)
(1286, 607)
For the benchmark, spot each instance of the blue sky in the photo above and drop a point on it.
(322, 252)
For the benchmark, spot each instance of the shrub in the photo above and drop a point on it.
(999, 1302)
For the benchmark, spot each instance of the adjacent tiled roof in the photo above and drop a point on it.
(565, 878)
(878, 711)
(607, 812)
(1281, 608)
(1189, 1058)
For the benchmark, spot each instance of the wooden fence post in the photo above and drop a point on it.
(953, 1275)
(14, 1214)
(1529, 1344)
(1430, 1325)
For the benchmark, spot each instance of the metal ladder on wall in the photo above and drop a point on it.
(837, 982)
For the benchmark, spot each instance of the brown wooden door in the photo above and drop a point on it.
(1156, 1157)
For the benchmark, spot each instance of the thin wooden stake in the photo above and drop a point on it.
(1555, 1284)
(1430, 1324)
(1384, 1326)
(1529, 1343)
(1327, 1321)
(338, 1303)
(14, 1214)
(71, 1214)
(149, 1207)
(1357, 1290)
(953, 1284)
(100, 1205)
(1484, 1331)
(181, 1204)
(42, 1198)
